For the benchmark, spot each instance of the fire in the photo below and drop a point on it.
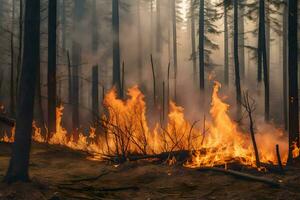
(296, 150)
(125, 131)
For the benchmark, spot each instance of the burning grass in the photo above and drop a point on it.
(125, 131)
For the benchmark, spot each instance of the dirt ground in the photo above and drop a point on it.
(58, 173)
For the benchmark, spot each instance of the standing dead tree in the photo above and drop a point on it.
(249, 105)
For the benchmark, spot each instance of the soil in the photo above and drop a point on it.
(59, 173)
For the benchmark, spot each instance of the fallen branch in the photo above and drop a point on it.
(90, 178)
(90, 188)
(242, 175)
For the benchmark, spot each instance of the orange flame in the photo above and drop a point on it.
(126, 131)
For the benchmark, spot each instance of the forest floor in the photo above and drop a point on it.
(58, 173)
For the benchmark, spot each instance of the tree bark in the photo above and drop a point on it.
(226, 46)
(140, 43)
(19, 163)
(241, 40)
(20, 44)
(63, 25)
(193, 40)
(95, 94)
(95, 37)
(201, 45)
(293, 77)
(285, 63)
(174, 20)
(52, 19)
(262, 57)
(12, 64)
(236, 56)
(116, 47)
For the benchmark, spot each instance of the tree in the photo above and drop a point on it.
(226, 44)
(262, 56)
(52, 19)
(236, 54)
(285, 62)
(20, 42)
(174, 21)
(201, 44)
(19, 163)
(12, 69)
(193, 40)
(140, 42)
(293, 76)
(79, 6)
(241, 24)
(95, 38)
(116, 47)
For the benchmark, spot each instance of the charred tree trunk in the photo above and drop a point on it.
(76, 58)
(20, 44)
(12, 64)
(116, 47)
(193, 40)
(226, 46)
(52, 19)
(63, 25)
(38, 107)
(174, 20)
(293, 77)
(140, 43)
(69, 78)
(201, 45)
(95, 37)
(76, 62)
(19, 163)
(95, 95)
(262, 56)
(285, 63)
(236, 56)
(241, 40)
(151, 25)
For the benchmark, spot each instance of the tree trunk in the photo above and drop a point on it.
(236, 56)
(174, 20)
(140, 43)
(76, 61)
(201, 45)
(241, 41)
(285, 64)
(38, 107)
(52, 19)
(19, 163)
(76, 58)
(95, 38)
(12, 64)
(293, 77)
(116, 47)
(20, 44)
(226, 46)
(95, 95)
(193, 40)
(69, 78)
(63, 25)
(262, 56)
